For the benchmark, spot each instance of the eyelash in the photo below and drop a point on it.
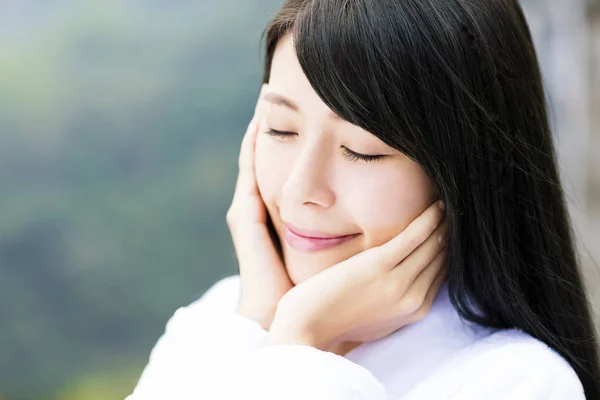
(348, 154)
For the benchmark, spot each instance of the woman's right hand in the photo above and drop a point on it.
(263, 274)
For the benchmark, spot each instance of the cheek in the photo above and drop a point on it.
(269, 168)
(385, 204)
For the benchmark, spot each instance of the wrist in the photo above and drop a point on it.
(282, 337)
(290, 327)
(263, 318)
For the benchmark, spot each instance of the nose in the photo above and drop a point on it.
(308, 181)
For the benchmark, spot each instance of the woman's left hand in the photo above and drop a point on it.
(369, 295)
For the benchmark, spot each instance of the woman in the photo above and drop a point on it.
(398, 220)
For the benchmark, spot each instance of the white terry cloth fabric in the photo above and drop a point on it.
(208, 351)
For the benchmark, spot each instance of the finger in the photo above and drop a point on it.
(257, 107)
(421, 293)
(409, 268)
(246, 159)
(246, 182)
(397, 249)
(432, 292)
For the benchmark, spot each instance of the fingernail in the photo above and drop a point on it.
(441, 205)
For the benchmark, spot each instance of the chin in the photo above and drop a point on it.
(301, 266)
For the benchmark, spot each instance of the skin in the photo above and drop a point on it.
(370, 295)
(315, 187)
(363, 298)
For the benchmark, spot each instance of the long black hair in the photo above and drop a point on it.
(456, 86)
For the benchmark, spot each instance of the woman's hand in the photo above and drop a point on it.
(263, 275)
(369, 295)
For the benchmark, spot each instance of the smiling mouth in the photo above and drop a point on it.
(309, 244)
(311, 234)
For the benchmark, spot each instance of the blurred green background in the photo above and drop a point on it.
(120, 125)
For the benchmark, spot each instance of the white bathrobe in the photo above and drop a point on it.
(208, 351)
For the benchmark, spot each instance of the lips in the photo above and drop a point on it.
(309, 241)
(311, 234)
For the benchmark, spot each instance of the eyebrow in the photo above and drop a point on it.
(277, 99)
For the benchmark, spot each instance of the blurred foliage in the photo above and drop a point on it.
(120, 123)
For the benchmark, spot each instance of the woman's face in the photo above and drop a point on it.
(309, 182)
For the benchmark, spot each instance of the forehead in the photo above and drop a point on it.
(288, 79)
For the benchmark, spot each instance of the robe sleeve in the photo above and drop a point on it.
(296, 372)
(508, 365)
(199, 343)
(208, 353)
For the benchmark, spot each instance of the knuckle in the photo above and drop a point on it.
(390, 292)
(410, 304)
(441, 238)
(374, 276)
(422, 312)
(414, 240)
(430, 229)
(395, 289)
(374, 257)
(380, 257)
(432, 224)
(231, 217)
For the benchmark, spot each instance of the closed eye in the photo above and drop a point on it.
(354, 156)
(283, 134)
(348, 154)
